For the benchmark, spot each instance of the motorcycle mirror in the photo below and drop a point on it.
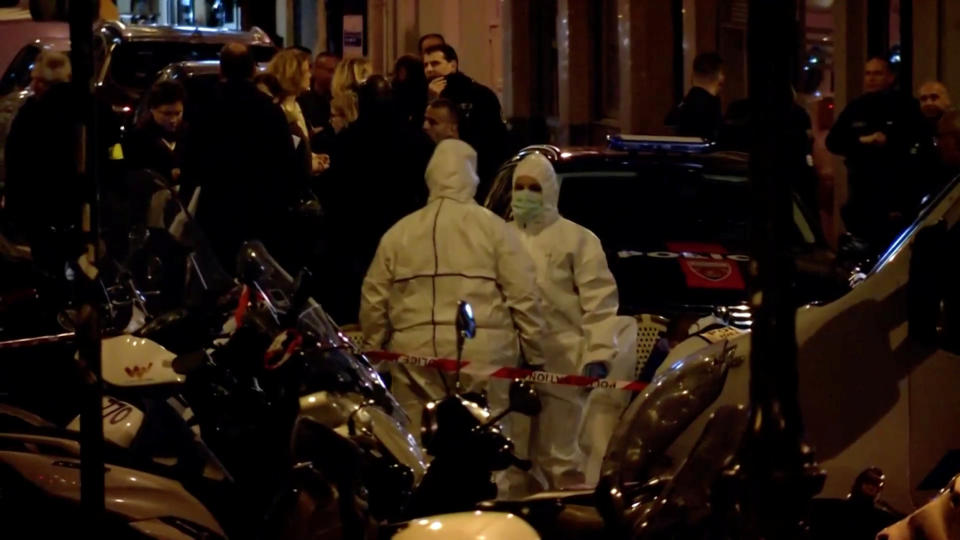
(466, 329)
(466, 324)
(185, 364)
(524, 398)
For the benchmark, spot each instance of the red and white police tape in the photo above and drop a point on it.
(449, 365)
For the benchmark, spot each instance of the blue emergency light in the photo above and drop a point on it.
(654, 143)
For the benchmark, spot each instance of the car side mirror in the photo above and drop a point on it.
(466, 324)
(524, 398)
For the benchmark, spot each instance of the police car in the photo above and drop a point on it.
(877, 365)
(673, 215)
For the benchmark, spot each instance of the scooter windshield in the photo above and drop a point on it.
(339, 363)
(660, 414)
(258, 269)
(338, 355)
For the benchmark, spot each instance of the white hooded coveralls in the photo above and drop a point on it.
(580, 303)
(451, 250)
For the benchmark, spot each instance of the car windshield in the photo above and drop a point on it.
(649, 207)
(134, 65)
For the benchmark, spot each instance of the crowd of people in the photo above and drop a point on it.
(372, 182)
(898, 148)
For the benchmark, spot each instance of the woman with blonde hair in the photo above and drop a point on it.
(291, 67)
(344, 107)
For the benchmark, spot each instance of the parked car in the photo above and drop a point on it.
(876, 368)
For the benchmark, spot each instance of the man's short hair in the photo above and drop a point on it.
(165, 93)
(883, 59)
(707, 64)
(452, 111)
(449, 54)
(429, 36)
(237, 62)
(326, 54)
(52, 67)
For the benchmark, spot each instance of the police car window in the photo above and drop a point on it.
(656, 205)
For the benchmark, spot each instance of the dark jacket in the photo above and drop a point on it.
(149, 147)
(241, 155)
(43, 190)
(481, 125)
(881, 178)
(316, 110)
(700, 114)
(376, 177)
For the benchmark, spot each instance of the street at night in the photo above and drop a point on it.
(673, 269)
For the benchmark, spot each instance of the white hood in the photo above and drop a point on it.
(539, 167)
(452, 171)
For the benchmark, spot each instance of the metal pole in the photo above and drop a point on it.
(82, 13)
(776, 487)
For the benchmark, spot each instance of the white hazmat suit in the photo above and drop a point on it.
(452, 250)
(580, 303)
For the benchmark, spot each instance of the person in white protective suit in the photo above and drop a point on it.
(452, 250)
(580, 303)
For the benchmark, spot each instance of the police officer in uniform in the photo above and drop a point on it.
(882, 136)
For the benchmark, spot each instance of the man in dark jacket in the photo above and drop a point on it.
(315, 104)
(367, 196)
(43, 190)
(934, 102)
(481, 122)
(155, 143)
(241, 156)
(700, 114)
(882, 135)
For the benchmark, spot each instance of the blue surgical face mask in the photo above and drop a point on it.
(527, 205)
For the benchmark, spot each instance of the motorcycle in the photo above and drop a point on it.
(348, 431)
(468, 447)
(349, 458)
(642, 492)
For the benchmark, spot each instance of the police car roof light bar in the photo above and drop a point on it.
(658, 143)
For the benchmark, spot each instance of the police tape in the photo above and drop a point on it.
(449, 365)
